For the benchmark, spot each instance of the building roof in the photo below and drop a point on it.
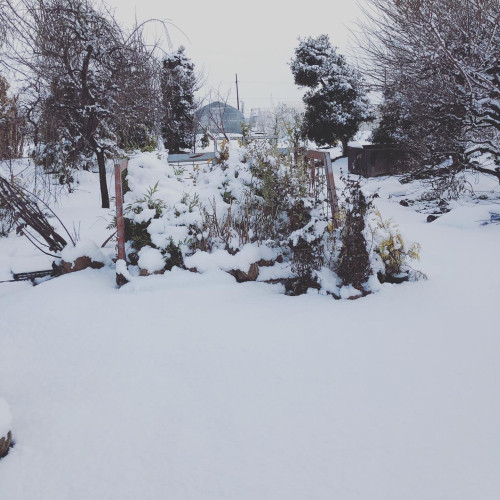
(220, 117)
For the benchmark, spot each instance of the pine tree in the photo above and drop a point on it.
(336, 103)
(178, 88)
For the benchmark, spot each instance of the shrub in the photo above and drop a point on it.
(353, 264)
(393, 250)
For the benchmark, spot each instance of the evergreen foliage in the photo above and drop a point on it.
(178, 84)
(336, 103)
(353, 265)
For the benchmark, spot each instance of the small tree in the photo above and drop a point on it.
(336, 103)
(178, 85)
(353, 265)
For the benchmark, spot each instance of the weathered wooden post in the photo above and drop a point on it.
(120, 225)
(333, 201)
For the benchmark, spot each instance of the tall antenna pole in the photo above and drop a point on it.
(237, 92)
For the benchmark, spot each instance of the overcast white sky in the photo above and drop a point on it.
(255, 39)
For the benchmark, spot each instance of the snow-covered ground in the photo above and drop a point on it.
(187, 386)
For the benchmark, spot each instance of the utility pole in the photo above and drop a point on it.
(237, 92)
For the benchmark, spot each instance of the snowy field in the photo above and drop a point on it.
(194, 387)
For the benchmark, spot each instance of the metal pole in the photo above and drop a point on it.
(237, 93)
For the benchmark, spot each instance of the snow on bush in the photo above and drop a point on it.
(83, 248)
(151, 259)
(252, 207)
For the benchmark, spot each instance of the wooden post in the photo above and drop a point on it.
(120, 225)
(332, 193)
(330, 182)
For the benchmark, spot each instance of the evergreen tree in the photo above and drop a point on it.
(178, 84)
(353, 265)
(336, 103)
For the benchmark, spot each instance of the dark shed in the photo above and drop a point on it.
(374, 159)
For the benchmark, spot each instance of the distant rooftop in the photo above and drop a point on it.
(219, 117)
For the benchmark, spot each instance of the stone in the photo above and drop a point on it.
(5, 443)
(145, 272)
(79, 264)
(250, 275)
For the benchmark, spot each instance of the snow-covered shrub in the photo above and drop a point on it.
(394, 251)
(138, 216)
(263, 201)
(255, 196)
(222, 155)
(353, 265)
(256, 210)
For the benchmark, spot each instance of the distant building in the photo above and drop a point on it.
(219, 117)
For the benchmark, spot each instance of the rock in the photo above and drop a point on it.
(133, 258)
(79, 264)
(5, 444)
(297, 285)
(431, 218)
(395, 280)
(145, 272)
(250, 275)
(266, 263)
(404, 203)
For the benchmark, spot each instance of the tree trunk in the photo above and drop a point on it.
(101, 162)
(344, 146)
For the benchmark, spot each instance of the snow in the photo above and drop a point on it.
(192, 386)
(5, 418)
(221, 259)
(347, 292)
(151, 259)
(83, 248)
(121, 268)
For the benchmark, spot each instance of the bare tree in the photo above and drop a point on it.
(443, 59)
(92, 84)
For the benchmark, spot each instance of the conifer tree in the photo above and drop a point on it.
(353, 266)
(178, 85)
(336, 103)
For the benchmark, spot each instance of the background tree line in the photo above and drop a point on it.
(87, 88)
(436, 64)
